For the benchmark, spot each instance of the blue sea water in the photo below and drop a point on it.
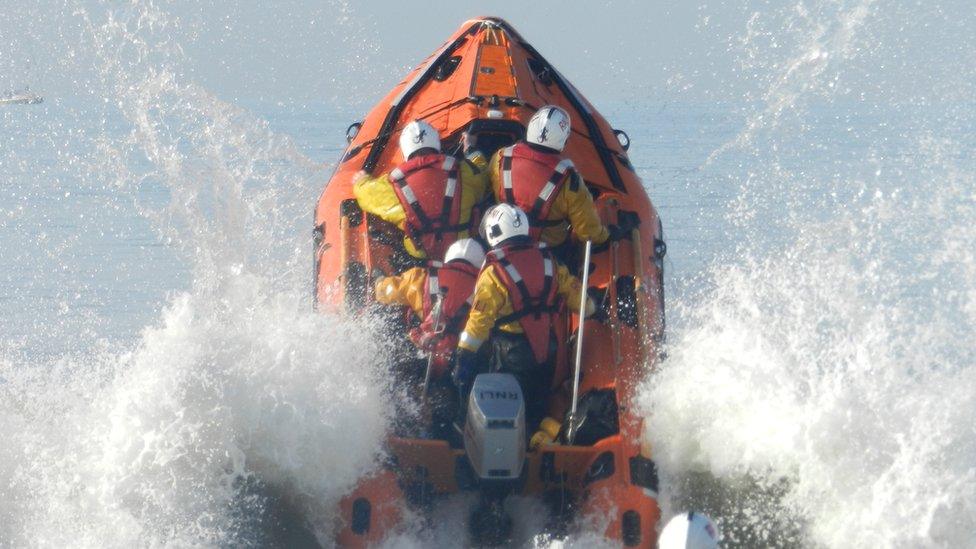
(158, 351)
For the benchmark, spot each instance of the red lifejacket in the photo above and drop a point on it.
(528, 272)
(532, 180)
(455, 283)
(429, 192)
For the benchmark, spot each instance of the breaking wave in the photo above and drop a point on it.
(821, 382)
(240, 416)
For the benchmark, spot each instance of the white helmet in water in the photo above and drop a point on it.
(468, 250)
(418, 135)
(549, 127)
(503, 221)
(689, 530)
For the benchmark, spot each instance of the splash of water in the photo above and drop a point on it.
(237, 399)
(820, 33)
(820, 386)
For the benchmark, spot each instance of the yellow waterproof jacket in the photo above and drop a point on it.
(491, 302)
(407, 288)
(375, 195)
(573, 204)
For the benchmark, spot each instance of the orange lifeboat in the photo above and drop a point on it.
(487, 80)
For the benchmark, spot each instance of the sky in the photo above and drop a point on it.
(303, 50)
(352, 52)
(611, 49)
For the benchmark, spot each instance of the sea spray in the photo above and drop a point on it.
(820, 388)
(240, 398)
(153, 447)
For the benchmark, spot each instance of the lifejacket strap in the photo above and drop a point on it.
(526, 311)
(507, 174)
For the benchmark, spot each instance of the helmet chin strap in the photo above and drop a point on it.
(542, 148)
(423, 152)
(513, 240)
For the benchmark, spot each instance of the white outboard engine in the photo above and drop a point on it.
(494, 433)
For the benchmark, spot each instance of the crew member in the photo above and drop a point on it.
(534, 176)
(440, 296)
(430, 196)
(517, 301)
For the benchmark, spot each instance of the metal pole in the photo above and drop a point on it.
(571, 428)
(430, 356)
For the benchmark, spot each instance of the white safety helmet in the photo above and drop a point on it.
(689, 530)
(549, 127)
(418, 135)
(503, 221)
(468, 250)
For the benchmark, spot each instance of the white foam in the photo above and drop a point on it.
(153, 447)
(240, 392)
(820, 386)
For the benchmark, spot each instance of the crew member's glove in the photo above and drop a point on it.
(441, 349)
(422, 339)
(431, 342)
(547, 433)
(465, 367)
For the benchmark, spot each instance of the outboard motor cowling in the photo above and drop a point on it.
(494, 433)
